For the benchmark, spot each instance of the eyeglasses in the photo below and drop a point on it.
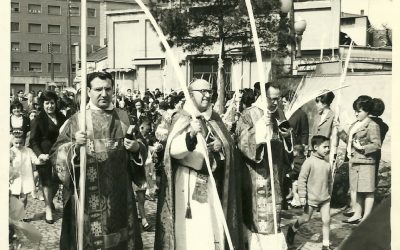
(204, 91)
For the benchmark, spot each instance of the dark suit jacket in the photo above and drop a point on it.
(299, 123)
(44, 132)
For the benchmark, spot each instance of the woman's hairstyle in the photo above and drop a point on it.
(248, 97)
(317, 140)
(378, 108)
(48, 95)
(363, 102)
(326, 99)
(140, 101)
(175, 100)
(16, 104)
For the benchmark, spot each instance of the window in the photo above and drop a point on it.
(74, 11)
(34, 28)
(35, 47)
(34, 8)
(73, 68)
(56, 48)
(57, 67)
(74, 30)
(15, 66)
(347, 21)
(14, 7)
(91, 31)
(15, 46)
(54, 10)
(14, 27)
(207, 68)
(54, 29)
(35, 67)
(91, 12)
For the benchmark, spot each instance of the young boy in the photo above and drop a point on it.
(314, 185)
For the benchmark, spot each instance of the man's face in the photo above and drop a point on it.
(201, 94)
(101, 92)
(273, 97)
(20, 94)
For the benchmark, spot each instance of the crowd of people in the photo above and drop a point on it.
(208, 172)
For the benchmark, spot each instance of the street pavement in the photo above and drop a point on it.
(309, 237)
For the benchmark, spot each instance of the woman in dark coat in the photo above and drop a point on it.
(44, 132)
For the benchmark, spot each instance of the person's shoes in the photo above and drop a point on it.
(27, 220)
(327, 247)
(49, 221)
(353, 222)
(290, 235)
(348, 214)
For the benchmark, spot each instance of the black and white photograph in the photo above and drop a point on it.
(199, 124)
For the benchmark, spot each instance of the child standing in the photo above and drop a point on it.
(22, 160)
(314, 185)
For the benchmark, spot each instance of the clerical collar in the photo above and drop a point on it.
(90, 105)
(192, 110)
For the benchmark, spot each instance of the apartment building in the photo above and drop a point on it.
(37, 23)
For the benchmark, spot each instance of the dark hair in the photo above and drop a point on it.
(175, 100)
(317, 140)
(326, 99)
(288, 95)
(102, 75)
(48, 95)
(16, 104)
(163, 105)
(138, 100)
(379, 107)
(20, 91)
(248, 97)
(363, 102)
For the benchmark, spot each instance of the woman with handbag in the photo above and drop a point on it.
(363, 143)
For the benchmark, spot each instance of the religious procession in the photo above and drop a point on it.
(203, 125)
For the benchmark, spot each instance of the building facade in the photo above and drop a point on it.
(37, 23)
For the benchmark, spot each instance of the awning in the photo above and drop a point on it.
(113, 70)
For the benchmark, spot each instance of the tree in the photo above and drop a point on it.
(198, 25)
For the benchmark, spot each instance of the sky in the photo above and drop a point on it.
(378, 11)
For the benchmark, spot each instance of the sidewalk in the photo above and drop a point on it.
(308, 238)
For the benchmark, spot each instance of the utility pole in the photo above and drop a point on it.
(50, 49)
(69, 56)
